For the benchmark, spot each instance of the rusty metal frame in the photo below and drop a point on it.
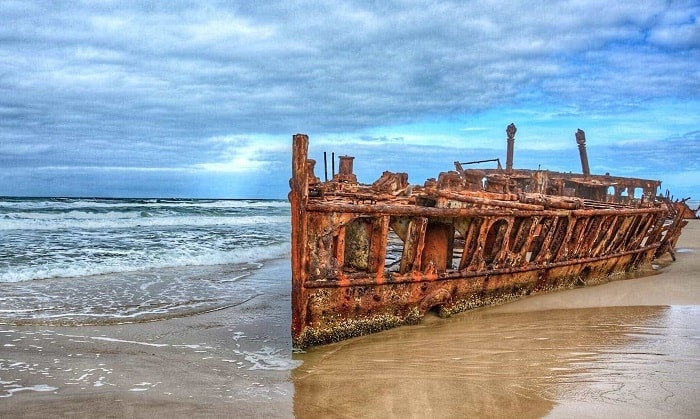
(368, 257)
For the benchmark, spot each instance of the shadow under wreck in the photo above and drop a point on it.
(370, 257)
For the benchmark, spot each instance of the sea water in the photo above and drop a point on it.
(123, 261)
(94, 261)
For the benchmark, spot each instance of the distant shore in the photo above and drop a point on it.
(238, 362)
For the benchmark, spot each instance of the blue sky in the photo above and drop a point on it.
(201, 99)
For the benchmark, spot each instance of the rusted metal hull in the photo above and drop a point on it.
(370, 257)
(687, 212)
(337, 313)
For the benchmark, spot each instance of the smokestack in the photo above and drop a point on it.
(345, 165)
(511, 144)
(345, 173)
(581, 140)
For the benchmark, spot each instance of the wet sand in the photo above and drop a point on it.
(626, 348)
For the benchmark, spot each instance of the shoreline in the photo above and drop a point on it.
(238, 361)
(188, 366)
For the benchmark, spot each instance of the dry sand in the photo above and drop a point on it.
(238, 362)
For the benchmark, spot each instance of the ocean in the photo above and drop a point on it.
(624, 349)
(75, 261)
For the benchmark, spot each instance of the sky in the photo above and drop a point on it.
(201, 99)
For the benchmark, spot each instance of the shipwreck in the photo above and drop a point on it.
(367, 257)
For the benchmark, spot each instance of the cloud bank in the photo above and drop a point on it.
(175, 99)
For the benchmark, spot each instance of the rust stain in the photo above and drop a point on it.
(369, 257)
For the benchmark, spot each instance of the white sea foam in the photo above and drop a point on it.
(268, 358)
(149, 261)
(38, 387)
(72, 203)
(106, 339)
(75, 238)
(132, 260)
(85, 221)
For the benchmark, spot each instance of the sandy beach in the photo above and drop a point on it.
(625, 348)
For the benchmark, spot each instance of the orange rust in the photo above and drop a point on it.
(687, 212)
(368, 257)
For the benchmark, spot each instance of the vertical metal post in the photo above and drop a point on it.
(511, 130)
(325, 166)
(298, 197)
(581, 140)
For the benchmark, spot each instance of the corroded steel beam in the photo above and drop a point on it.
(581, 141)
(379, 209)
(298, 197)
(510, 131)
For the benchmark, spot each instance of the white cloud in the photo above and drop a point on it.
(242, 154)
(240, 164)
(155, 84)
(227, 29)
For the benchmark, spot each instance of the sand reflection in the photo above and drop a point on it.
(494, 364)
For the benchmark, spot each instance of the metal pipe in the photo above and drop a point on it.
(481, 161)
(325, 166)
(510, 130)
(581, 140)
